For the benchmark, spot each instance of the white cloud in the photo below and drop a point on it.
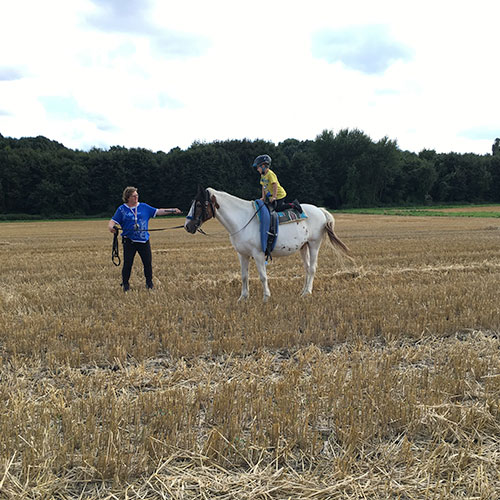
(369, 49)
(9, 73)
(128, 16)
(135, 18)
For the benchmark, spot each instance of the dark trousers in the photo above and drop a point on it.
(283, 204)
(130, 248)
(280, 205)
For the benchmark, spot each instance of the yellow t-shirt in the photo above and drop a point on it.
(267, 180)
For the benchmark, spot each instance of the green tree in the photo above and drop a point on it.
(356, 171)
(419, 176)
(496, 147)
(461, 177)
(38, 175)
(494, 169)
(333, 165)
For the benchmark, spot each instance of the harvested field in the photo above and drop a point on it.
(384, 384)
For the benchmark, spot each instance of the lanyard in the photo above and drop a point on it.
(134, 211)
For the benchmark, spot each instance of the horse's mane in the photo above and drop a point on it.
(223, 194)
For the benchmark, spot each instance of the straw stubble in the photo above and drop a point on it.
(384, 384)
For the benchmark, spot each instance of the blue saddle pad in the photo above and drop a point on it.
(284, 217)
(265, 222)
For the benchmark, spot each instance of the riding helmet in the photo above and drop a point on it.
(262, 160)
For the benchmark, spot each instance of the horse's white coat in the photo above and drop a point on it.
(307, 235)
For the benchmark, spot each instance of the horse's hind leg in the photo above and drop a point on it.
(304, 253)
(260, 262)
(309, 253)
(244, 261)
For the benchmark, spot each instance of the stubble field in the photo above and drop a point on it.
(384, 384)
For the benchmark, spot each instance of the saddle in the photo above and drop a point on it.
(270, 222)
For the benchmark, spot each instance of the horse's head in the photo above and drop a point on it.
(202, 209)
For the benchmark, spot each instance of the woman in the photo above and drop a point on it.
(133, 217)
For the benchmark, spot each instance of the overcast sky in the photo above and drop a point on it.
(158, 74)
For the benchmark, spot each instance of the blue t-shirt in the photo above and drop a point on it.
(134, 221)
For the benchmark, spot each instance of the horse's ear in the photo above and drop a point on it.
(213, 199)
(200, 193)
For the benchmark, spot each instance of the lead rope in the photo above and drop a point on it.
(115, 252)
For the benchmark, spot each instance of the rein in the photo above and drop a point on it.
(201, 219)
(251, 219)
(164, 228)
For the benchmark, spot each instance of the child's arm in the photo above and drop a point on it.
(274, 187)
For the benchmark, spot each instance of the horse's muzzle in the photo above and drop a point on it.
(191, 226)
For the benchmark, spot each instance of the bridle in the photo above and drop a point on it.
(205, 206)
(208, 205)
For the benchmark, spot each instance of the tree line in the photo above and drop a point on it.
(42, 178)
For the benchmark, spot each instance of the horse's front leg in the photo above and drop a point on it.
(244, 262)
(260, 262)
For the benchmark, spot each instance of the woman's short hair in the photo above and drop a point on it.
(127, 192)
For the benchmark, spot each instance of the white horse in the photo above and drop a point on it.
(239, 218)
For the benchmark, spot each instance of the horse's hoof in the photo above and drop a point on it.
(243, 298)
(266, 298)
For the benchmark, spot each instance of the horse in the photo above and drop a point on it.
(239, 218)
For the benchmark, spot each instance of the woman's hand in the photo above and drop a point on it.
(112, 227)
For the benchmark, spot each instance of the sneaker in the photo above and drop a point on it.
(125, 286)
(297, 206)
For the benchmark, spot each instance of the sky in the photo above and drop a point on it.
(160, 74)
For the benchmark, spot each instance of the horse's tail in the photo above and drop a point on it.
(334, 239)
